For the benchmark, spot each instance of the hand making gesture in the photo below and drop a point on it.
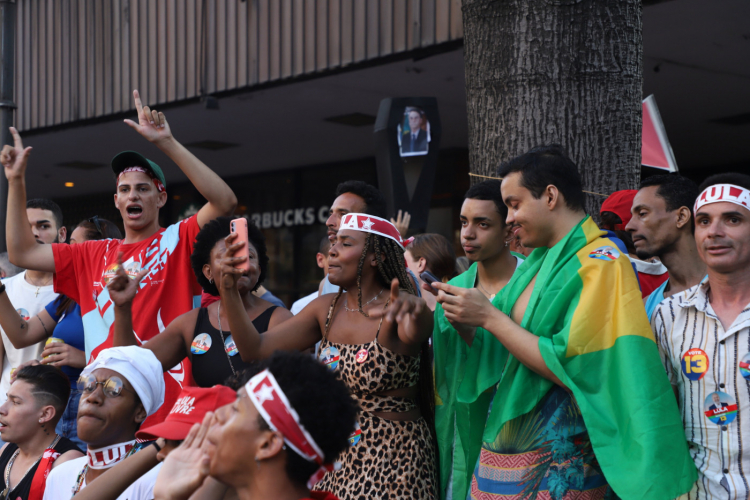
(122, 288)
(230, 273)
(14, 158)
(151, 124)
(404, 309)
(185, 469)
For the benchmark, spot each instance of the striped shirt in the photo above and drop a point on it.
(711, 369)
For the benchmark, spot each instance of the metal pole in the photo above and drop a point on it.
(7, 106)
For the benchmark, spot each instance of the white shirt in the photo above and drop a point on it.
(23, 295)
(301, 303)
(685, 325)
(63, 478)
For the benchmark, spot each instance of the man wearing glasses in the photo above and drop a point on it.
(82, 271)
(119, 389)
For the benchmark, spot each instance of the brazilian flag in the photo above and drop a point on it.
(587, 311)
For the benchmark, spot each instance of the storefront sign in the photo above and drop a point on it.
(291, 217)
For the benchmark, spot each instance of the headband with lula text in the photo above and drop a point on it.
(371, 224)
(723, 193)
(159, 186)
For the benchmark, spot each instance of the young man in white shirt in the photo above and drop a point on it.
(120, 389)
(703, 335)
(30, 291)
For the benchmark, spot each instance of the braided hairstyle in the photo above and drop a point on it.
(391, 264)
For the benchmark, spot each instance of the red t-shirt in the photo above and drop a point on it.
(83, 270)
(321, 495)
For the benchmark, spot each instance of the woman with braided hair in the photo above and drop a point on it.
(373, 334)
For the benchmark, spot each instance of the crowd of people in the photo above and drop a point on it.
(563, 359)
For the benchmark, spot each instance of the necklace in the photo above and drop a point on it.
(223, 345)
(39, 287)
(491, 295)
(8, 467)
(346, 304)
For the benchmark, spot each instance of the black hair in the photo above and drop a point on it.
(325, 245)
(206, 240)
(45, 204)
(676, 191)
(489, 191)
(50, 386)
(374, 199)
(543, 166)
(609, 221)
(64, 304)
(306, 383)
(741, 180)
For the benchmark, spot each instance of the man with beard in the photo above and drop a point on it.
(703, 334)
(662, 226)
(485, 239)
(82, 271)
(30, 291)
(120, 389)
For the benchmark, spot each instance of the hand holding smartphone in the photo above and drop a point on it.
(429, 278)
(239, 227)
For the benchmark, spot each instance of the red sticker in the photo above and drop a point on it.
(362, 355)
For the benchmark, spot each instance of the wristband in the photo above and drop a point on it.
(156, 445)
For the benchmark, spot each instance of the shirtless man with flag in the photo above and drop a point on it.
(579, 399)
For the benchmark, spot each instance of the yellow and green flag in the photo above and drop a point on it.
(594, 335)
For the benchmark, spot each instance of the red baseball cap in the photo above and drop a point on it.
(620, 203)
(191, 406)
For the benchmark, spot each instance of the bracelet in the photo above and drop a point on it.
(2, 288)
(156, 445)
(42, 322)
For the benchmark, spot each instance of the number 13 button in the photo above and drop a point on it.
(695, 364)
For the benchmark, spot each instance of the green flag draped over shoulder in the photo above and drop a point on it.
(587, 311)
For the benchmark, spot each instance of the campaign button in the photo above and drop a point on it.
(745, 366)
(201, 344)
(695, 364)
(330, 357)
(720, 408)
(230, 346)
(362, 355)
(355, 436)
(23, 313)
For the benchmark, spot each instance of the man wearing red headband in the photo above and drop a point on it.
(274, 441)
(82, 271)
(704, 337)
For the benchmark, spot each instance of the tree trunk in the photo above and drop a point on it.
(556, 71)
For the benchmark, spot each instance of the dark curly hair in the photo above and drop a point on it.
(306, 383)
(206, 240)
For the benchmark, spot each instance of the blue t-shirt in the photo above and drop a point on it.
(655, 299)
(70, 330)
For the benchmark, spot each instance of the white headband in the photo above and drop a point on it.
(723, 192)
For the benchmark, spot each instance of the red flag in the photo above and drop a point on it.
(655, 149)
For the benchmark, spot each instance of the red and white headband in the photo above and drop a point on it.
(274, 407)
(371, 224)
(157, 182)
(723, 192)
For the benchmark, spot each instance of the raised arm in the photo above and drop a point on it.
(411, 314)
(20, 332)
(169, 346)
(154, 127)
(23, 249)
(297, 333)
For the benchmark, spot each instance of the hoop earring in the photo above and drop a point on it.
(211, 281)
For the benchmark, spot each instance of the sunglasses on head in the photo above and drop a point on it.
(95, 221)
(112, 387)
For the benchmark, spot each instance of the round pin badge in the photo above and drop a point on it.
(201, 344)
(330, 357)
(745, 366)
(23, 313)
(355, 436)
(362, 355)
(720, 408)
(695, 364)
(230, 346)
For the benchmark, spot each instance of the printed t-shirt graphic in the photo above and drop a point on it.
(167, 291)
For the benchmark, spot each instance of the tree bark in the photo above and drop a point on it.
(556, 71)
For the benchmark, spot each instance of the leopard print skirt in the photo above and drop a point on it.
(392, 460)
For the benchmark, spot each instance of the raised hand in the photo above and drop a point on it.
(230, 274)
(152, 125)
(402, 222)
(122, 288)
(403, 310)
(14, 158)
(185, 469)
